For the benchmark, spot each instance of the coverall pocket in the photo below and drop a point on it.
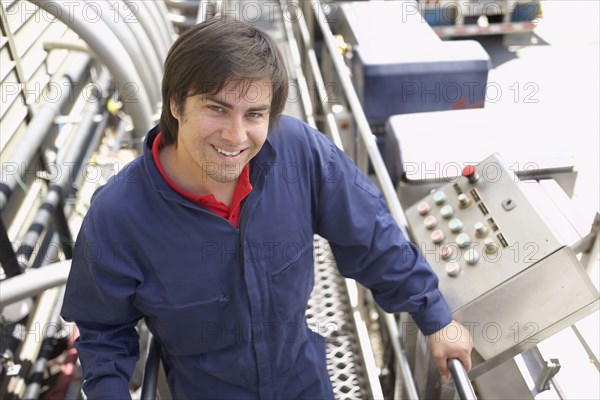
(292, 283)
(192, 321)
(193, 330)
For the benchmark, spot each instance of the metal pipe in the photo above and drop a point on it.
(35, 378)
(586, 347)
(130, 43)
(147, 22)
(561, 395)
(71, 158)
(182, 22)
(362, 124)
(407, 378)
(200, 12)
(150, 380)
(8, 258)
(60, 213)
(113, 54)
(32, 343)
(34, 281)
(163, 11)
(94, 143)
(319, 83)
(72, 45)
(461, 380)
(297, 65)
(42, 123)
(364, 343)
(152, 59)
(185, 5)
(158, 22)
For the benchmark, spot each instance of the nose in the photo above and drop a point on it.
(235, 131)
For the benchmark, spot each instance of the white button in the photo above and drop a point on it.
(480, 229)
(463, 201)
(490, 246)
(447, 211)
(455, 225)
(471, 257)
(463, 240)
(452, 269)
(439, 197)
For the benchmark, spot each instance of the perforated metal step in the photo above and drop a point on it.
(329, 314)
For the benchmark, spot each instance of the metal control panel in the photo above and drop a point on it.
(502, 270)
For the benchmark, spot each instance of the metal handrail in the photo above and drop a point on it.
(402, 361)
(151, 370)
(461, 380)
(33, 282)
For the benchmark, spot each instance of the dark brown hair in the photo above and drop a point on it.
(210, 54)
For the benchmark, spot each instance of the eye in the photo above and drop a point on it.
(215, 108)
(254, 114)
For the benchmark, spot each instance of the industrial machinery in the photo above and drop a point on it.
(472, 18)
(394, 75)
(506, 261)
(76, 103)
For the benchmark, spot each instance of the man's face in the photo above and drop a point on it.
(218, 134)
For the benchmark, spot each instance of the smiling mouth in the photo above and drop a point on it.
(227, 153)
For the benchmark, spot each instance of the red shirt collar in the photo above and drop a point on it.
(208, 201)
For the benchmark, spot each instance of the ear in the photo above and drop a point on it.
(174, 106)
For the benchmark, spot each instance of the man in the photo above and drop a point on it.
(208, 237)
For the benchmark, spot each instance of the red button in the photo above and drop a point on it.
(468, 171)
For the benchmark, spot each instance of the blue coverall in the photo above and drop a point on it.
(227, 304)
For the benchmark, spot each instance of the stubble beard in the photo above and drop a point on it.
(223, 173)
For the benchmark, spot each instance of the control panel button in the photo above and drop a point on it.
(481, 229)
(452, 269)
(437, 236)
(508, 204)
(430, 222)
(439, 197)
(447, 211)
(446, 252)
(463, 240)
(455, 225)
(423, 207)
(471, 256)
(463, 200)
(470, 173)
(490, 246)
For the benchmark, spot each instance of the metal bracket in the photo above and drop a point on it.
(548, 371)
(586, 244)
(541, 371)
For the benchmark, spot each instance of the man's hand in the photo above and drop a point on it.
(452, 341)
